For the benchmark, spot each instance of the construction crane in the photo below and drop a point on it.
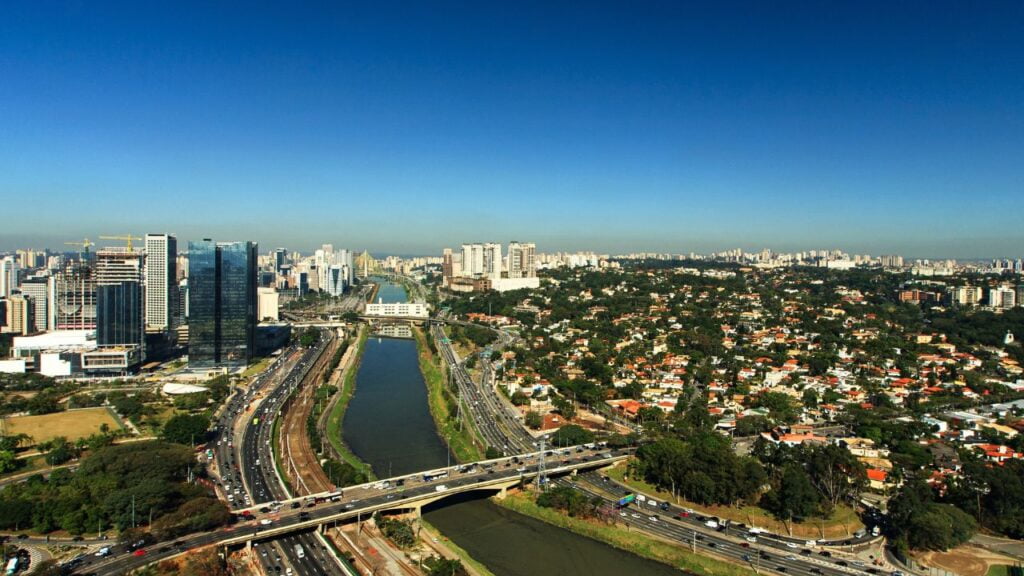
(127, 239)
(83, 245)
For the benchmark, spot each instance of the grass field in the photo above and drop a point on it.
(73, 424)
(843, 522)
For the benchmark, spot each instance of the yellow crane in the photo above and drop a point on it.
(127, 239)
(83, 245)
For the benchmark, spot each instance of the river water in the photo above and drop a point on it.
(388, 425)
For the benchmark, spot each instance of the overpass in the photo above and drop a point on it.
(408, 493)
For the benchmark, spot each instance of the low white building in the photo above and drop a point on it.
(398, 309)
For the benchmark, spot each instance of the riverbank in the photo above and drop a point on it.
(637, 543)
(337, 415)
(435, 539)
(461, 440)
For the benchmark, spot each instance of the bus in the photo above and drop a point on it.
(12, 566)
(626, 500)
(300, 552)
(431, 476)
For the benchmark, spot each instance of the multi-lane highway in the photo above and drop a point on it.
(247, 468)
(279, 526)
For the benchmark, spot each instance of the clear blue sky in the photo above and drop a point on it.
(877, 126)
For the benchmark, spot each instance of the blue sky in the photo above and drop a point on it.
(875, 127)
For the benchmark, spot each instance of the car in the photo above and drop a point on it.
(842, 563)
(791, 545)
(825, 553)
(815, 570)
(806, 552)
(266, 521)
(780, 568)
(683, 514)
(139, 552)
(751, 538)
(712, 545)
(744, 544)
(654, 518)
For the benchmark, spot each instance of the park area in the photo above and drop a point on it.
(72, 424)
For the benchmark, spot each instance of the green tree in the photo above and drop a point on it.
(794, 498)
(533, 420)
(186, 429)
(8, 461)
(571, 435)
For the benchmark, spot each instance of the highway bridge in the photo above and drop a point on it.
(408, 493)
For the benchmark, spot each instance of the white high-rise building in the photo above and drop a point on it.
(492, 260)
(161, 281)
(1002, 297)
(522, 260)
(8, 276)
(472, 259)
(38, 290)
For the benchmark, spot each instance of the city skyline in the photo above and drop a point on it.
(886, 129)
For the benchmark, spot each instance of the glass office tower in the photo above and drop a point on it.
(119, 320)
(222, 303)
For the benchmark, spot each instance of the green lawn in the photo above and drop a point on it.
(674, 555)
(1005, 570)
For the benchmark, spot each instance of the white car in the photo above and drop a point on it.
(266, 521)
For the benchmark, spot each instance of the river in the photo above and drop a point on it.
(388, 425)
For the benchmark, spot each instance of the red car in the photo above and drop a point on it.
(139, 552)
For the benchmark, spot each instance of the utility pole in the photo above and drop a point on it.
(541, 464)
(133, 510)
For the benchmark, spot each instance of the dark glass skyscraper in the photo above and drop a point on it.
(222, 302)
(119, 320)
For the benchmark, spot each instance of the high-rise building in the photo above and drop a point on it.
(492, 260)
(222, 302)
(74, 297)
(522, 260)
(8, 276)
(268, 304)
(161, 282)
(20, 319)
(119, 317)
(39, 291)
(966, 295)
(447, 266)
(472, 259)
(335, 278)
(280, 257)
(1002, 297)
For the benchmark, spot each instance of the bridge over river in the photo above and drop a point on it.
(408, 493)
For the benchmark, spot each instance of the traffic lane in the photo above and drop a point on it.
(687, 533)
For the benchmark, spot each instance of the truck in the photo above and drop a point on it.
(626, 500)
(300, 552)
(12, 566)
(641, 498)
